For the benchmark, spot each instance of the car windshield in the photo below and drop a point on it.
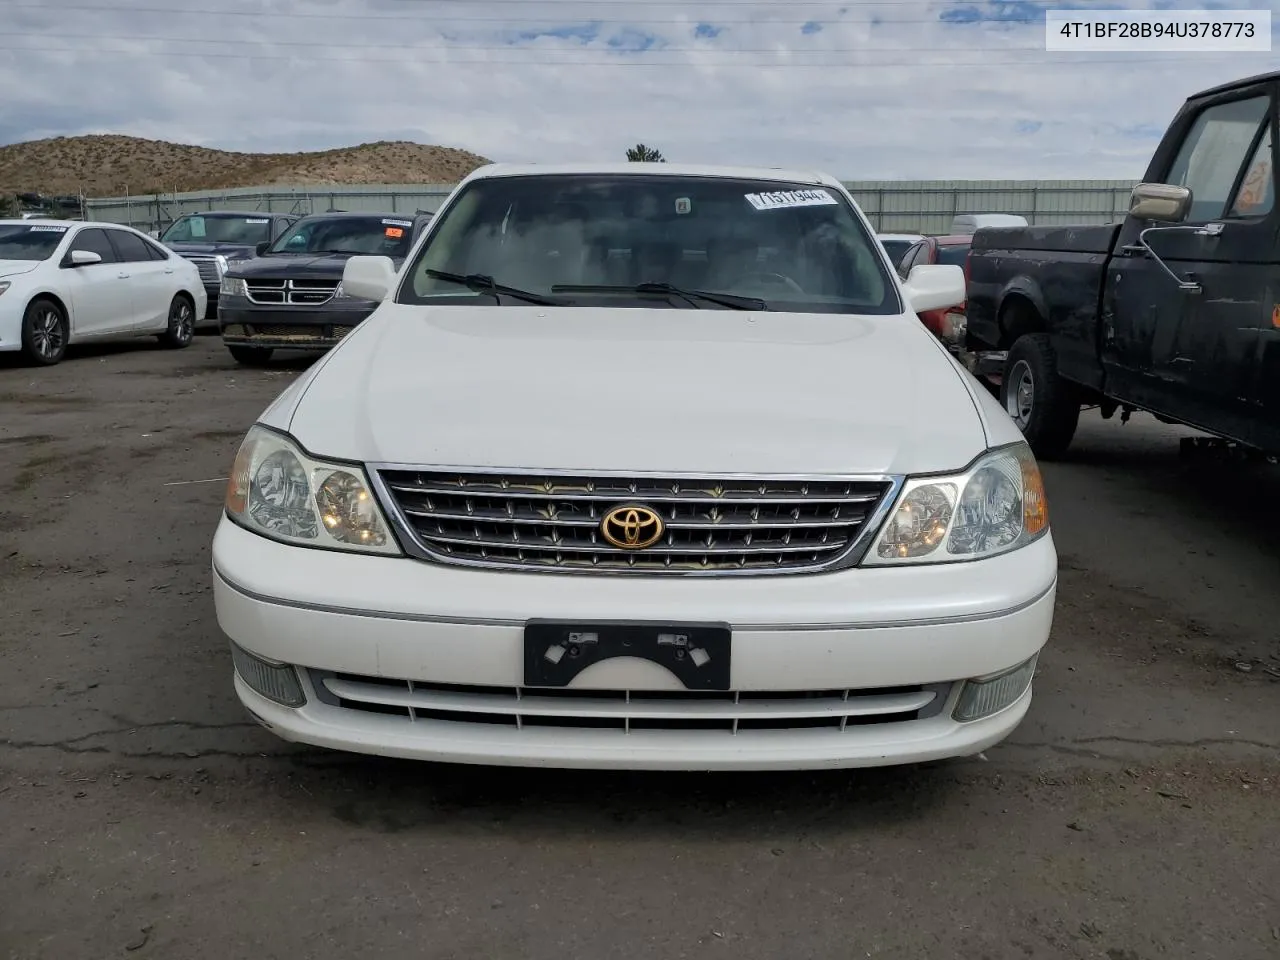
(197, 228)
(795, 246)
(375, 235)
(953, 254)
(34, 241)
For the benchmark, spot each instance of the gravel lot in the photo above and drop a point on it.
(1132, 816)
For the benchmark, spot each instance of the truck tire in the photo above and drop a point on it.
(1041, 403)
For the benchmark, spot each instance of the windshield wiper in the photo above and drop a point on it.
(481, 283)
(732, 301)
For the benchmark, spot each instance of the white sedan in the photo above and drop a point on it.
(640, 466)
(68, 281)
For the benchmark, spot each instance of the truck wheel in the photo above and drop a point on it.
(251, 356)
(1040, 402)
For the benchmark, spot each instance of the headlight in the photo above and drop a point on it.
(233, 287)
(4, 285)
(341, 294)
(995, 506)
(278, 491)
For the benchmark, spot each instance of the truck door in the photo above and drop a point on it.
(1198, 356)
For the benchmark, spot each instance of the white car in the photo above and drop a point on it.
(68, 281)
(639, 466)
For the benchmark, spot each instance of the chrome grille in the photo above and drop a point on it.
(297, 292)
(210, 269)
(710, 525)
(626, 711)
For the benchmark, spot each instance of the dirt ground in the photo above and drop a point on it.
(1133, 816)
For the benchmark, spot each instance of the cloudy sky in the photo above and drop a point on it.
(864, 89)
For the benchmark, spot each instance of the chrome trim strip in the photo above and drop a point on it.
(414, 547)
(746, 627)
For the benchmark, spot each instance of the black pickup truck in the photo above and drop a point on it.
(1175, 311)
(219, 238)
(290, 295)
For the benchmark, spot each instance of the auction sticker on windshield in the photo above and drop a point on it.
(791, 198)
(48, 229)
(397, 223)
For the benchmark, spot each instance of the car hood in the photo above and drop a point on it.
(633, 389)
(326, 265)
(228, 250)
(11, 268)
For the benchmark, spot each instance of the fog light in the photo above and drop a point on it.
(989, 695)
(275, 681)
(233, 330)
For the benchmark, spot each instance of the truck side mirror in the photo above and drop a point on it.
(1163, 202)
(261, 248)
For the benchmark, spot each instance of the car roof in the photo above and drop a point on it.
(48, 220)
(254, 214)
(954, 239)
(339, 214)
(1236, 84)
(652, 169)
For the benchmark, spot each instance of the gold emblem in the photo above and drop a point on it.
(631, 527)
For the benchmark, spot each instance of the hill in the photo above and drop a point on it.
(104, 165)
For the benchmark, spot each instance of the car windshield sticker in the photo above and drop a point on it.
(49, 229)
(397, 223)
(197, 227)
(791, 198)
(683, 206)
(253, 220)
(395, 232)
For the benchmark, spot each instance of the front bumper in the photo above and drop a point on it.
(403, 658)
(291, 328)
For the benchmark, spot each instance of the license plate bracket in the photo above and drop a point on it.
(698, 654)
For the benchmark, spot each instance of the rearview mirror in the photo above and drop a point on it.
(261, 248)
(932, 286)
(368, 278)
(83, 258)
(1160, 201)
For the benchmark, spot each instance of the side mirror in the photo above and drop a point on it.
(261, 248)
(933, 286)
(82, 258)
(368, 278)
(1160, 201)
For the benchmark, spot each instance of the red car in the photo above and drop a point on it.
(946, 323)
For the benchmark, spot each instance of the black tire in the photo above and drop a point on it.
(182, 323)
(1042, 404)
(251, 356)
(45, 332)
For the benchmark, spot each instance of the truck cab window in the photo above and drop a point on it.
(1257, 194)
(1213, 153)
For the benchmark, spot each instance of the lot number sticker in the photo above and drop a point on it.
(253, 220)
(396, 223)
(49, 229)
(395, 232)
(791, 198)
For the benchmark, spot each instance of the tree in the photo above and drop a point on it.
(642, 154)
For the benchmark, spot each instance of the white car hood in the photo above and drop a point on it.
(11, 268)
(632, 389)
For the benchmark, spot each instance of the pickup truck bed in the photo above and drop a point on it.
(1055, 274)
